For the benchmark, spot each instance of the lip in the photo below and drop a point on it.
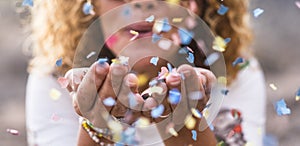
(143, 28)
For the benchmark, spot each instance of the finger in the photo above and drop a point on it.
(173, 79)
(210, 77)
(87, 90)
(189, 91)
(74, 77)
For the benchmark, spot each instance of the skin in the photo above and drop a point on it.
(96, 85)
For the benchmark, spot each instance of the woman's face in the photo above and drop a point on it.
(127, 17)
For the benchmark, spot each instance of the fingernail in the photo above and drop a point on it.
(102, 67)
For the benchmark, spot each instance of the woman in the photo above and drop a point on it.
(50, 47)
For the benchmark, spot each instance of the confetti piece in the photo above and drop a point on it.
(222, 10)
(156, 37)
(58, 62)
(142, 121)
(88, 8)
(123, 60)
(153, 83)
(161, 26)
(195, 95)
(109, 101)
(90, 55)
(190, 22)
(156, 89)
(154, 60)
(170, 129)
(12, 131)
(126, 11)
(190, 58)
(237, 61)
(244, 65)
(298, 95)
(205, 113)
(102, 60)
(142, 78)
(222, 80)
(196, 113)
(165, 44)
(211, 59)
(173, 1)
(281, 108)
(55, 94)
(135, 33)
(211, 127)
(63, 82)
(297, 98)
(169, 67)
(190, 122)
(174, 96)
(219, 44)
(150, 19)
(132, 100)
(55, 117)
(297, 3)
(221, 143)
(230, 134)
(273, 87)
(257, 12)
(185, 36)
(177, 20)
(183, 50)
(227, 40)
(194, 135)
(224, 91)
(155, 113)
(27, 3)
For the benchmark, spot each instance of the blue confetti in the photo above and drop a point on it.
(153, 83)
(211, 127)
(166, 25)
(237, 61)
(190, 58)
(281, 108)
(27, 3)
(102, 60)
(150, 19)
(154, 60)
(298, 92)
(194, 135)
(222, 10)
(227, 40)
(183, 50)
(257, 12)
(224, 91)
(109, 101)
(127, 11)
(174, 96)
(155, 38)
(211, 59)
(185, 36)
(169, 67)
(132, 100)
(59, 62)
(155, 113)
(87, 8)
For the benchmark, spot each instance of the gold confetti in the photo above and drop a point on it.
(196, 113)
(156, 89)
(177, 20)
(222, 80)
(55, 94)
(143, 79)
(219, 44)
(142, 121)
(273, 87)
(297, 98)
(190, 122)
(173, 1)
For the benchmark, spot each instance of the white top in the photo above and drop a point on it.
(49, 122)
(248, 94)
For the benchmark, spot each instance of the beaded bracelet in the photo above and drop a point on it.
(95, 133)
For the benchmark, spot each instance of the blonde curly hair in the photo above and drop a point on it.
(57, 26)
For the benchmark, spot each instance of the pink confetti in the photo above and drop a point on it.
(55, 117)
(297, 3)
(12, 131)
(64, 82)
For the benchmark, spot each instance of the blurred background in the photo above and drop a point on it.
(277, 46)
